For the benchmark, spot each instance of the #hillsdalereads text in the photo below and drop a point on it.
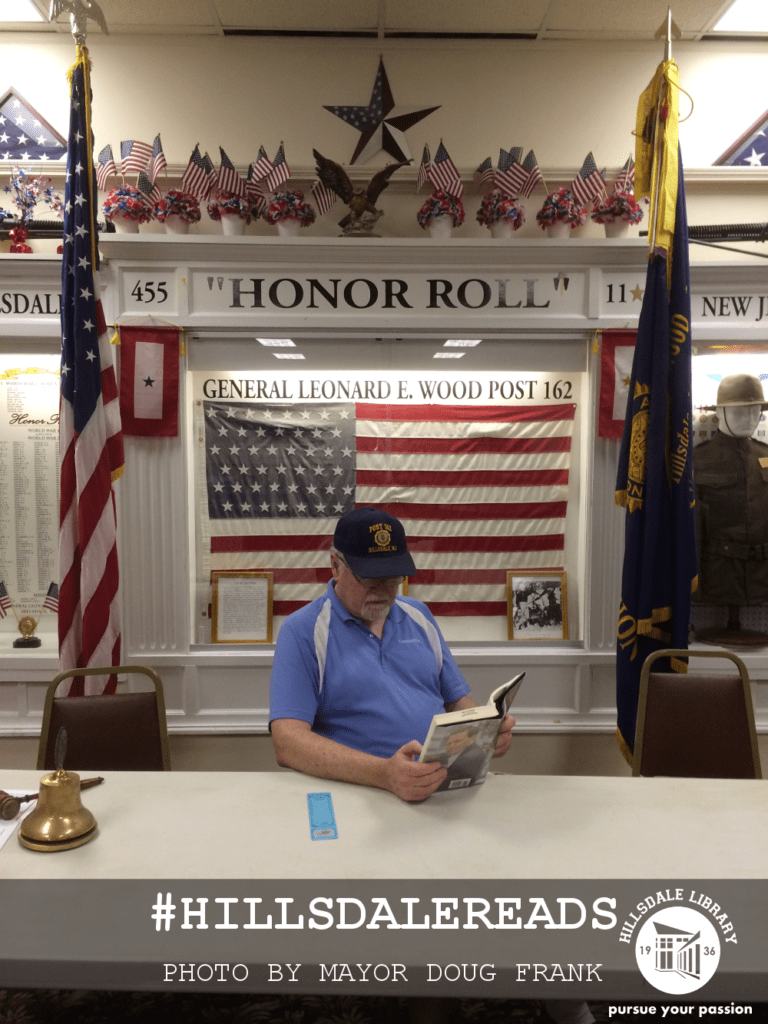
(463, 741)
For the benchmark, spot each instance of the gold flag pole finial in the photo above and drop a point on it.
(666, 30)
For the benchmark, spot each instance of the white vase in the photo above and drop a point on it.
(560, 229)
(176, 225)
(290, 227)
(441, 227)
(617, 229)
(231, 224)
(503, 228)
(125, 225)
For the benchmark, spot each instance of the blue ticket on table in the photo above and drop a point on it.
(322, 820)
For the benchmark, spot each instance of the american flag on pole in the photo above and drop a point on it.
(105, 168)
(324, 197)
(424, 167)
(589, 183)
(443, 173)
(134, 157)
(280, 171)
(510, 175)
(150, 193)
(479, 490)
(51, 602)
(90, 437)
(5, 601)
(158, 162)
(210, 175)
(626, 179)
(228, 180)
(534, 175)
(484, 174)
(195, 178)
(263, 165)
(255, 192)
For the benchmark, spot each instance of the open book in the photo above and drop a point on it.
(463, 741)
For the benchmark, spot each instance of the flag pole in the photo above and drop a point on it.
(658, 128)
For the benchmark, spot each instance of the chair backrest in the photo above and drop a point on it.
(116, 732)
(694, 724)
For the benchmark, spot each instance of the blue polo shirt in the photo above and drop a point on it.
(374, 695)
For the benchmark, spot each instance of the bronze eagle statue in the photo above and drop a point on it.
(361, 201)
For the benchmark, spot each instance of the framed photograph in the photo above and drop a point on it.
(537, 605)
(241, 607)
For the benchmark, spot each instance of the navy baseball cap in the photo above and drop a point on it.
(373, 543)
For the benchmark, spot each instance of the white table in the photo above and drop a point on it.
(230, 835)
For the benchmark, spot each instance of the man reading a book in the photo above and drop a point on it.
(360, 671)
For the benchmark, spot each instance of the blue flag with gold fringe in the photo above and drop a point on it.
(655, 479)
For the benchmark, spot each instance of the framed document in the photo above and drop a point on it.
(537, 605)
(241, 607)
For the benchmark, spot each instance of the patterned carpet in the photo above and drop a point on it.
(60, 1007)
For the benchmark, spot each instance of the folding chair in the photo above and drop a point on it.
(115, 732)
(694, 724)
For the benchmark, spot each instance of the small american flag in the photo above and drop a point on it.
(51, 601)
(158, 162)
(479, 489)
(531, 166)
(228, 180)
(5, 601)
(263, 165)
(423, 176)
(134, 157)
(105, 168)
(280, 171)
(484, 174)
(588, 184)
(195, 178)
(255, 192)
(510, 175)
(150, 193)
(626, 179)
(443, 173)
(323, 196)
(210, 174)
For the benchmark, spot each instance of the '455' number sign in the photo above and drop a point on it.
(148, 291)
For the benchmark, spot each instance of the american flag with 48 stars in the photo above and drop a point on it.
(478, 489)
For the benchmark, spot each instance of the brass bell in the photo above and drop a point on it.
(59, 822)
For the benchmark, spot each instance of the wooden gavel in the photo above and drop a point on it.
(11, 805)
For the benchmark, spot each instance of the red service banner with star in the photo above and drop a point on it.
(617, 352)
(149, 381)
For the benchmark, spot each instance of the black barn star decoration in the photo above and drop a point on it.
(382, 124)
(148, 382)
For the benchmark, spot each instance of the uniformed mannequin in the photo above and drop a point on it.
(730, 475)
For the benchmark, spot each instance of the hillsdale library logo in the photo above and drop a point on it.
(678, 947)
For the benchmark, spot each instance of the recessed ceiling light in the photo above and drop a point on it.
(744, 16)
(448, 355)
(287, 355)
(276, 342)
(19, 10)
(462, 342)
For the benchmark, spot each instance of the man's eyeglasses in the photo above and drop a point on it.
(372, 582)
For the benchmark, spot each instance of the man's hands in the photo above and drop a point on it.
(410, 780)
(504, 739)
